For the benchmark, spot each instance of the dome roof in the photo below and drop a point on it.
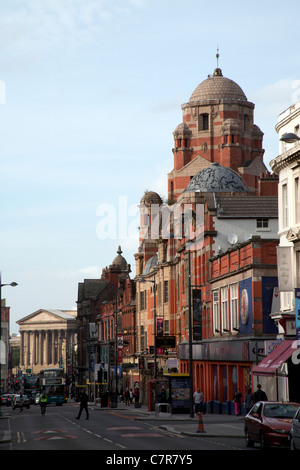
(150, 264)
(120, 261)
(216, 178)
(217, 87)
(150, 197)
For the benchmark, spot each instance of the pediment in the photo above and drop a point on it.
(45, 316)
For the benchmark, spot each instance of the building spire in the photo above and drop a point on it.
(218, 71)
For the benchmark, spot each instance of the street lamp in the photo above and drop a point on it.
(190, 337)
(155, 326)
(12, 284)
(289, 138)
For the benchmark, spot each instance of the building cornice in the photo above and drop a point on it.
(291, 158)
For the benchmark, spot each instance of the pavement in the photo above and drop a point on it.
(209, 425)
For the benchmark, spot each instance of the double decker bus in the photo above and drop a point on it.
(53, 382)
(31, 384)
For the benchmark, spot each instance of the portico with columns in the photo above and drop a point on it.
(48, 338)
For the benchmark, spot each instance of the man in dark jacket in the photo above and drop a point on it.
(83, 405)
(260, 395)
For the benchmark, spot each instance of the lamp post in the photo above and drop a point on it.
(154, 319)
(12, 284)
(190, 337)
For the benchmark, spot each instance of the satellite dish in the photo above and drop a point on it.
(232, 238)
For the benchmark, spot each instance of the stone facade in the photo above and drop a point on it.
(48, 338)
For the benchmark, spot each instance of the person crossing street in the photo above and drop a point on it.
(83, 405)
(43, 402)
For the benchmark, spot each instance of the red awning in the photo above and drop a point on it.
(276, 358)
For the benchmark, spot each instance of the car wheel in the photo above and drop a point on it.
(249, 442)
(262, 442)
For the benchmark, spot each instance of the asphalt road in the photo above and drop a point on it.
(111, 431)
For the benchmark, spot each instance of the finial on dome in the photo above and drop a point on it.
(119, 250)
(218, 71)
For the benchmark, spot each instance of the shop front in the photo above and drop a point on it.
(279, 372)
(221, 367)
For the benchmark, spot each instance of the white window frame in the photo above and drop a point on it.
(224, 309)
(234, 307)
(216, 314)
(297, 199)
(285, 214)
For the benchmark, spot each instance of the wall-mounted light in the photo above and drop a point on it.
(289, 138)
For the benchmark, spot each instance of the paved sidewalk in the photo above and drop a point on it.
(217, 425)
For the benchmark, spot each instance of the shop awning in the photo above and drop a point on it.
(269, 365)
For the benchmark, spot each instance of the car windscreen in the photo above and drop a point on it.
(280, 410)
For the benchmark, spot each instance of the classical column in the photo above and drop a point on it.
(22, 349)
(41, 338)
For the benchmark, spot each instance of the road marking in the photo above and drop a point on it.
(89, 432)
(21, 437)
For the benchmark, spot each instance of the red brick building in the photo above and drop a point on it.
(106, 329)
(230, 272)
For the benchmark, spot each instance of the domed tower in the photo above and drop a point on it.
(217, 127)
(149, 229)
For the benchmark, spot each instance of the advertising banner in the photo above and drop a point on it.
(197, 315)
(285, 273)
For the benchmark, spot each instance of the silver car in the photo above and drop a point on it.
(295, 432)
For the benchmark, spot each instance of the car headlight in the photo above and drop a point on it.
(280, 431)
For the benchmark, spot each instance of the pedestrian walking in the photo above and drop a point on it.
(21, 402)
(237, 402)
(131, 396)
(127, 397)
(43, 402)
(249, 399)
(136, 395)
(260, 395)
(198, 401)
(83, 405)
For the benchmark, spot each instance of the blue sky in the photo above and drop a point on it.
(92, 93)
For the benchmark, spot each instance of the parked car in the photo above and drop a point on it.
(295, 432)
(270, 423)
(16, 402)
(6, 399)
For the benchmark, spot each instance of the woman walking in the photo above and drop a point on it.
(237, 402)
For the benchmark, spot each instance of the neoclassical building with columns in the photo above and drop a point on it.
(48, 338)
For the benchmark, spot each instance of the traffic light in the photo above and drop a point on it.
(105, 376)
(100, 376)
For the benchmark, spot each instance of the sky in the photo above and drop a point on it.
(90, 94)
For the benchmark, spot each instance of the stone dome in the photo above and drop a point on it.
(217, 87)
(151, 263)
(150, 197)
(120, 261)
(216, 178)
